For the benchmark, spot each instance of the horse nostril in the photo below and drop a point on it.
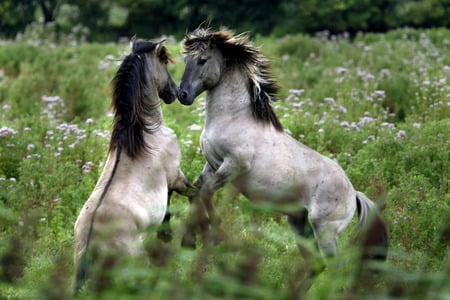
(183, 95)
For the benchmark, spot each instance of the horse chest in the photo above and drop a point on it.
(211, 151)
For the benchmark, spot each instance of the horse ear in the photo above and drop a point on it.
(162, 53)
(132, 40)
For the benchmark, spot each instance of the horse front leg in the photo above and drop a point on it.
(226, 172)
(198, 216)
(183, 187)
(164, 231)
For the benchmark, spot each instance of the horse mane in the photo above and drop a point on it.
(238, 51)
(130, 100)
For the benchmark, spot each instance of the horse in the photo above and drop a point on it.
(142, 167)
(245, 144)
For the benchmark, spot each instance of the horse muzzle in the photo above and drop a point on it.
(184, 97)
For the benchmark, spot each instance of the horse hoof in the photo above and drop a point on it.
(165, 235)
(188, 241)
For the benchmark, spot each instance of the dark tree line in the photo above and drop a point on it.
(110, 19)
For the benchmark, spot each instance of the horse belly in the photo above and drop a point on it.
(284, 193)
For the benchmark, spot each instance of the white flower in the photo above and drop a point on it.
(194, 127)
(401, 134)
(51, 99)
(329, 100)
(341, 70)
(296, 92)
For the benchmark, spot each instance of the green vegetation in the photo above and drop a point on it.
(108, 20)
(379, 105)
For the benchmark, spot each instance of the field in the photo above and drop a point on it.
(378, 104)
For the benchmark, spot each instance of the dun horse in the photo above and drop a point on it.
(244, 144)
(142, 168)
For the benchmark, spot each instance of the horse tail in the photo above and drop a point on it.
(375, 239)
(83, 267)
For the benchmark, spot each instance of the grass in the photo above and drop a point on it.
(379, 105)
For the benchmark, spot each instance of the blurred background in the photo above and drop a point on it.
(101, 21)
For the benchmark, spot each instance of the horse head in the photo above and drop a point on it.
(204, 64)
(157, 58)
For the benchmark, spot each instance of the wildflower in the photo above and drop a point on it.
(194, 127)
(89, 121)
(380, 94)
(388, 125)
(321, 130)
(345, 124)
(329, 100)
(401, 134)
(366, 120)
(296, 92)
(416, 125)
(385, 73)
(4, 131)
(342, 109)
(51, 99)
(86, 168)
(30, 147)
(341, 70)
(62, 127)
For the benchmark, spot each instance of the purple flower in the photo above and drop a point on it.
(4, 131)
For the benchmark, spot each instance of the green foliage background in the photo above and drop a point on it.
(379, 105)
(109, 20)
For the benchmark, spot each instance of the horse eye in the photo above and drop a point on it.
(201, 61)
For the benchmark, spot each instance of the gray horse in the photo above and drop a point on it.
(244, 144)
(142, 168)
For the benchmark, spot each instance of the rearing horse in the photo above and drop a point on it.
(244, 144)
(142, 168)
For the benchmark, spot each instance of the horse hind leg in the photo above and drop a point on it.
(300, 224)
(311, 265)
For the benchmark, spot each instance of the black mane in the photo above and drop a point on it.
(129, 102)
(239, 52)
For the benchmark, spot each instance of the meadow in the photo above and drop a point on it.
(379, 104)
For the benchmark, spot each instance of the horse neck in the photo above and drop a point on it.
(230, 97)
(151, 96)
